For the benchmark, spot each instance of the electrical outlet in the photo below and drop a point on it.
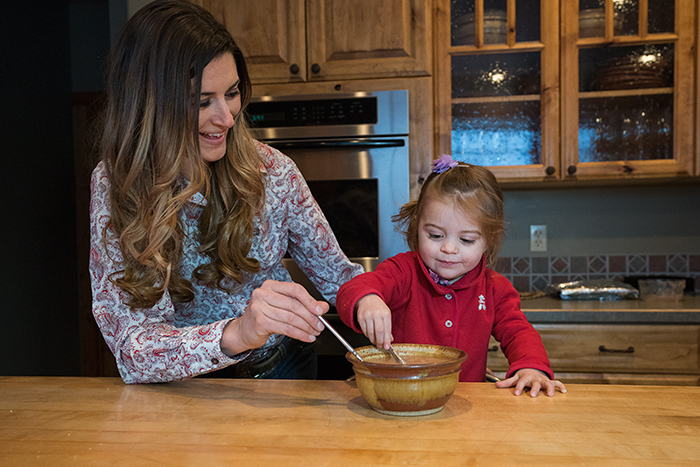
(538, 238)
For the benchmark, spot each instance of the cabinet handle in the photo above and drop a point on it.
(294, 68)
(551, 170)
(629, 349)
(571, 169)
(493, 349)
(315, 68)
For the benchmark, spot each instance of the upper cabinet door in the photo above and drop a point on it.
(352, 39)
(271, 34)
(627, 87)
(289, 41)
(497, 85)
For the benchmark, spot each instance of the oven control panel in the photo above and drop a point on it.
(317, 112)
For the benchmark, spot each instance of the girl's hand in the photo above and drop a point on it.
(275, 308)
(535, 380)
(374, 318)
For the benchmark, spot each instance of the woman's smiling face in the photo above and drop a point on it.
(219, 103)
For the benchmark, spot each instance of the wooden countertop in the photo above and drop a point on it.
(101, 421)
(552, 310)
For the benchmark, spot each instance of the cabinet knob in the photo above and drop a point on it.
(294, 68)
(315, 68)
(551, 170)
(571, 169)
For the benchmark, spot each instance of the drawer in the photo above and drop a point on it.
(615, 348)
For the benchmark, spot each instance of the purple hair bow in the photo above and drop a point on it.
(444, 163)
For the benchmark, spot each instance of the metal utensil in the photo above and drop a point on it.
(396, 356)
(340, 338)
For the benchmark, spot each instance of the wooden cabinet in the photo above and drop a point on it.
(547, 91)
(368, 39)
(287, 41)
(497, 85)
(270, 33)
(697, 97)
(621, 354)
(627, 88)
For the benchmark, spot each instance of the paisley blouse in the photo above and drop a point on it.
(174, 341)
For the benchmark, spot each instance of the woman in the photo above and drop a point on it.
(190, 217)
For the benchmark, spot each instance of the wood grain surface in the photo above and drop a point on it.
(101, 421)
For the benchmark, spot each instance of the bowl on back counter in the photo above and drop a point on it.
(689, 288)
(662, 288)
(665, 290)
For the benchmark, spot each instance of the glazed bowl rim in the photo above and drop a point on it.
(457, 361)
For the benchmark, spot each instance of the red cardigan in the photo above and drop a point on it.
(463, 315)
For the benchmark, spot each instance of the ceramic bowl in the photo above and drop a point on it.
(420, 387)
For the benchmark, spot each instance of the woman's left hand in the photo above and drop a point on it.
(535, 380)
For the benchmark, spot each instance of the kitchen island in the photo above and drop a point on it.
(101, 421)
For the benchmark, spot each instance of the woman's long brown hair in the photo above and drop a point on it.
(150, 139)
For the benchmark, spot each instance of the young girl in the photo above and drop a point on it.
(443, 292)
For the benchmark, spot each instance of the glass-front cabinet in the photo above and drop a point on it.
(498, 85)
(546, 90)
(627, 88)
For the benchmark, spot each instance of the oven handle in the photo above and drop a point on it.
(339, 144)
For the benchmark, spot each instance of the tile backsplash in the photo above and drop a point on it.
(532, 273)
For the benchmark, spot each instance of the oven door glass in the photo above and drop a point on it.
(351, 208)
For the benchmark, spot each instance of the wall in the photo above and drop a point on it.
(659, 219)
(89, 45)
(120, 11)
(610, 232)
(38, 272)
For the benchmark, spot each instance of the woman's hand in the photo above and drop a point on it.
(535, 380)
(275, 308)
(374, 318)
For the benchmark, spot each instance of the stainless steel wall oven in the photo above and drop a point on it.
(352, 149)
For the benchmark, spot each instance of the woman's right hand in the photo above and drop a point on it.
(274, 308)
(374, 318)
